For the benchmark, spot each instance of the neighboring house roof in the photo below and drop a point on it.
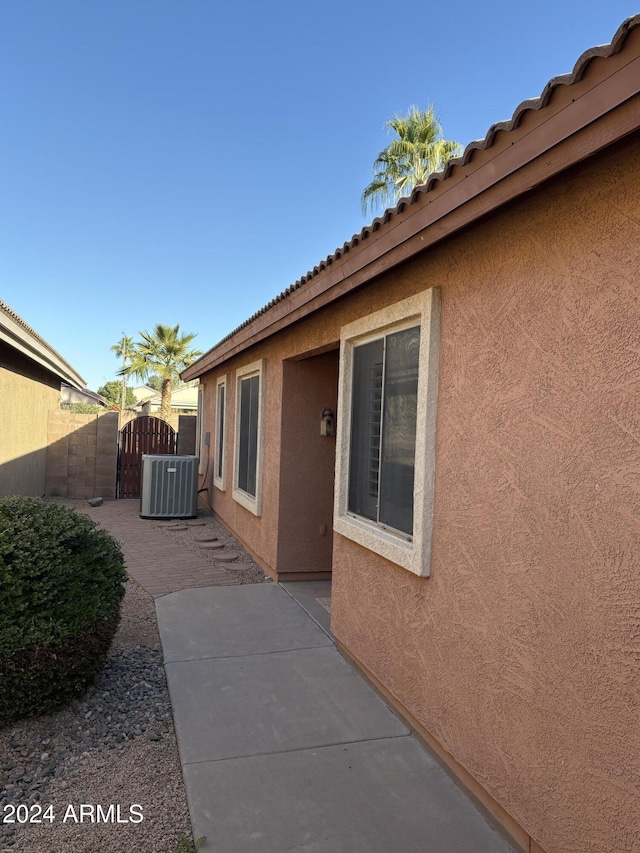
(75, 395)
(17, 334)
(568, 104)
(143, 392)
(185, 397)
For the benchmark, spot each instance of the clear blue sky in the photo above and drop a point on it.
(183, 161)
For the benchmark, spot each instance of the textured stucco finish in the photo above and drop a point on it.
(520, 654)
(305, 536)
(298, 463)
(27, 394)
(258, 533)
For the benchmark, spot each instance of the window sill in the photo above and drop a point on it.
(247, 501)
(404, 553)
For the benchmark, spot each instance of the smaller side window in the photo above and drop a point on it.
(219, 466)
(247, 472)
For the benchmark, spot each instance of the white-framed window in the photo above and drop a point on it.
(219, 444)
(385, 460)
(248, 444)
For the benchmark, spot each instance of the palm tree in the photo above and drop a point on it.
(123, 349)
(164, 353)
(408, 160)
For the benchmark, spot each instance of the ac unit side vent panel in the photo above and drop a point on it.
(169, 487)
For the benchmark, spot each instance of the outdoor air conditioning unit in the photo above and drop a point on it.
(169, 486)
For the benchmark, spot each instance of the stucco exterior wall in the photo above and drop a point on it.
(305, 535)
(27, 394)
(521, 654)
(257, 533)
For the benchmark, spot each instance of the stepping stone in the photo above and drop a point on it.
(224, 556)
(196, 523)
(211, 545)
(175, 527)
(207, 537)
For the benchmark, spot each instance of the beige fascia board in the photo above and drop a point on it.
(517, 162)
(21, 339)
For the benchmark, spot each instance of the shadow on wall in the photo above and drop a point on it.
(82, 455)
(80, 459)
(24, 475)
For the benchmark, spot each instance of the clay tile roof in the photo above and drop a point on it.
(532, 104)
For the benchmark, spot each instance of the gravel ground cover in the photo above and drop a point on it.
(115, 748)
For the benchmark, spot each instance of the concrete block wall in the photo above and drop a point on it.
(82, 455)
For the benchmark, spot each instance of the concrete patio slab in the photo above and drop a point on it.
(309, 594)
(369, 797)
(277, 702)
(285, 747)
(218, 622)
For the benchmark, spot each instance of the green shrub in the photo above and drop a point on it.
(61, 584)
(83, 408)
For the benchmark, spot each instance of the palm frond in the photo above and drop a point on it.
(418, 151)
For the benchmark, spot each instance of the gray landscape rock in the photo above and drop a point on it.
(114, 745)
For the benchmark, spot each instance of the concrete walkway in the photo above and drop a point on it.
(285, 748)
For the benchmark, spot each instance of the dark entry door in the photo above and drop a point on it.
(141, 435)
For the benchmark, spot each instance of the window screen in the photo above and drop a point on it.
(220, 431)
(366, 410)
(383, 429)
(248, 434)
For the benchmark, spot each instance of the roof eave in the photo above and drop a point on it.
(434, 211)
(18, 335)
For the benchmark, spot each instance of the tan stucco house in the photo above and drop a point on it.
(31, 375)
(184, 399)
(476, 352)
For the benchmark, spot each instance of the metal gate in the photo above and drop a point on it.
(141, 435)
